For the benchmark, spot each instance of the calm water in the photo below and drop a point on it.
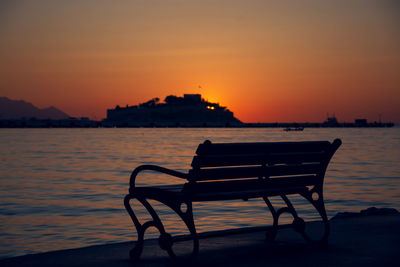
(64, 188)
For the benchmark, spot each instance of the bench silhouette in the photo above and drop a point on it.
(229, 171)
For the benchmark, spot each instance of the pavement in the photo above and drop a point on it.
(372, 240)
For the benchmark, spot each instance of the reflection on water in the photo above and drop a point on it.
(64, 188)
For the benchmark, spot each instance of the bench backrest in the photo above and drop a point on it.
(238, 161)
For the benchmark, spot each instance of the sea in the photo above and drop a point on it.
(64, 188)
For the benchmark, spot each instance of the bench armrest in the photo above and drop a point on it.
(155, 168)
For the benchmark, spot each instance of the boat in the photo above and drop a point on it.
(289, 129)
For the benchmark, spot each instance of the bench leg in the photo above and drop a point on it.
(271, 234)
(187, 218)
(135, 253)
(315, 197)
(165, 240)
(297, 222)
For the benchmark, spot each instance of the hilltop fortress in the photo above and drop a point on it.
(188, 111)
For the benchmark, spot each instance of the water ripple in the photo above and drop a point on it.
(64, 188)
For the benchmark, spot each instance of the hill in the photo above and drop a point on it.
(18, 109)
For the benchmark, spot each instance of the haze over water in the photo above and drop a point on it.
(64, 188)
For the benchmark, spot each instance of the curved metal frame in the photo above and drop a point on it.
(154, 168)
(320, 207)
(165, 239)
(298, 223)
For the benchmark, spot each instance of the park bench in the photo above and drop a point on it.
(230, 171)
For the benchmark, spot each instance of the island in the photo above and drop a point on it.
(191, 110)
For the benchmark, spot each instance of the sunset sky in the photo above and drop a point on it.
(287, 61)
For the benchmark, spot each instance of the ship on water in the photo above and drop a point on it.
(191, 110)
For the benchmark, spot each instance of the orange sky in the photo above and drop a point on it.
(286, 61)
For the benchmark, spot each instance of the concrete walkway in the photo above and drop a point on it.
(354, 241)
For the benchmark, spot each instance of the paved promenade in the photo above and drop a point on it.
(355, 241)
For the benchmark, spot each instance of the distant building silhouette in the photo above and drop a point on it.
(360, 122)
(331, 121)
(189, 110)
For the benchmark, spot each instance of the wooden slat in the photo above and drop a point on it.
(249, 184)
(247, 194)
(297, 157)
(208, 148)
(235, 189)
(257, 159)
(249, 172)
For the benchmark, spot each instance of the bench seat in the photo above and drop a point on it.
(218, 191)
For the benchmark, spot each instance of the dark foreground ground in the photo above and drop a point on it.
(355, 241)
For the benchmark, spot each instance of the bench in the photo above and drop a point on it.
(230, 171)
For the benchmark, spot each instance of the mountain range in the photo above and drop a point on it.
(19, 109)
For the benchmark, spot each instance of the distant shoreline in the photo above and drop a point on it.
(86, 123)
